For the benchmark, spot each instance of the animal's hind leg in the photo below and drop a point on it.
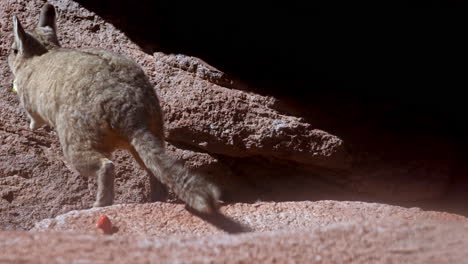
(158, 190)
(105, 182)
(93, 163)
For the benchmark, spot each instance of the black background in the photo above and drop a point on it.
(407, 54)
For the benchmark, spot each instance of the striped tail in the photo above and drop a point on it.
(191, 188)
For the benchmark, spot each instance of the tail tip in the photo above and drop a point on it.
(207, 202)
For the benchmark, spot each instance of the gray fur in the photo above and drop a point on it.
(98, 101)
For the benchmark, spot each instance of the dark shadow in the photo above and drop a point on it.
(115, 229)
(280, 181)
(222, 222)
(321, 55)
(302, 48)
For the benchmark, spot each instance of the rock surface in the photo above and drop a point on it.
(307, 232)
(256, 147)
(163, 219)
(201, 115)
(236, 123)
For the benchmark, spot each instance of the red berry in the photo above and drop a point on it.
(104, 224)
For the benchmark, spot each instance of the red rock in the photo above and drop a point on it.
(293, 232)
(227, 129)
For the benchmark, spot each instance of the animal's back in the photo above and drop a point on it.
(92, 86)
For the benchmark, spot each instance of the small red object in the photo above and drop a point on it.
(104, 224)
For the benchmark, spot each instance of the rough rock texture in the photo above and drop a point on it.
(339, 243)
(256, 147)
(322, 232)
(244, 141)
(162, 219)
(232, 123)
(236, 123)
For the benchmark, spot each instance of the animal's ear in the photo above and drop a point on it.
(21, 37)
(26, 44)
(47, 17)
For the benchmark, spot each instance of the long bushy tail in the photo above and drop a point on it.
(191, 188)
